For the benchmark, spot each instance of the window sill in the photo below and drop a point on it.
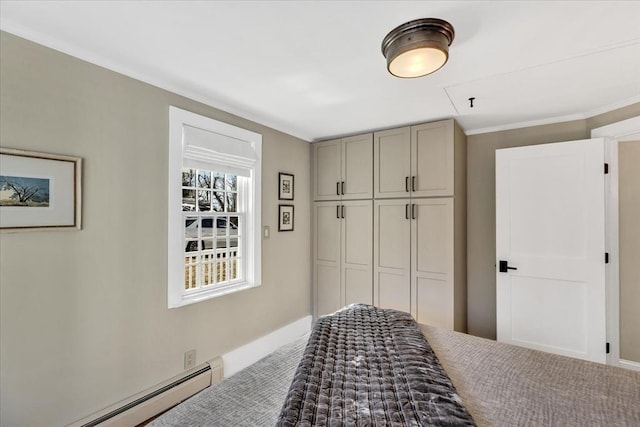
(203, 295)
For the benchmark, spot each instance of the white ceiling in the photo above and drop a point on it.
(314, 69)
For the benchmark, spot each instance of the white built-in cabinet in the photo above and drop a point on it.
(416, 241)
(342, 246)
(343, 168)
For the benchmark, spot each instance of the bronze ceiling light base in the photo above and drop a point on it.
(418, 47)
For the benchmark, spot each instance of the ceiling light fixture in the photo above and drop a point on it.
(418, 47)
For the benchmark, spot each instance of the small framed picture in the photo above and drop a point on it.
(285, 186)
(285, 215)
(39, 191)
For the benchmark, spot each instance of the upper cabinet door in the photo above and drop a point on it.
(392, 163)
(432, 159)
(326, 170)
(357, 167)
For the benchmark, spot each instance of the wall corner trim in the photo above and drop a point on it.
(241, 357)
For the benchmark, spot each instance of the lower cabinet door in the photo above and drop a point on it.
(391, 254)
(356, 249)
(326, 257)
(342, 254)
(432, 261)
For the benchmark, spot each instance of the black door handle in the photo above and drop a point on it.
(504, 266)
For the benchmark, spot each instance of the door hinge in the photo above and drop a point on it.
(608, 348)
(606, 257)
(606, 168)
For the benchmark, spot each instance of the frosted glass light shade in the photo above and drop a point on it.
(418, 47)
(417, 62)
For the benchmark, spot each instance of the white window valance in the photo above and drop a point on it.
(229, 155)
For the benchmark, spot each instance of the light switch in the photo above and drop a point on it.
(267, 232)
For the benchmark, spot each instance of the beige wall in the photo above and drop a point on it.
(84, 318)
(481, 230)
(629, 159)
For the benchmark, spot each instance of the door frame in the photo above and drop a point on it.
(613, 133)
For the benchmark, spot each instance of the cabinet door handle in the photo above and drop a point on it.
(406, 211)
(413, 183)
(338, 211)
(413, 211)
(342, 188)
(406, 184)
(338, 188)
(342, 211)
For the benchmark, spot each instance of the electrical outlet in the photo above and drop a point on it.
(190, 359)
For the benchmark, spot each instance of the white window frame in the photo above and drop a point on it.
(177, 295)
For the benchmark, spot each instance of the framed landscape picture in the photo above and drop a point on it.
(39, 191)
(285, 186)
(285, 215)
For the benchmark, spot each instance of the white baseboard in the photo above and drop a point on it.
(629, 364)
(250, 353)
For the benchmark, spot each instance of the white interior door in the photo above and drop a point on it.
(550, 229)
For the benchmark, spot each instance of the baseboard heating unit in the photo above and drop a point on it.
(151, 402)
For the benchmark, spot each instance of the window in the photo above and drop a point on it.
(214, 208)
(212, 220)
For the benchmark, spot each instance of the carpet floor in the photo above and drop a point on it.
(251, 398)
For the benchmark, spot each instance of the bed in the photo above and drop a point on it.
(505, 385)
(368, 366)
